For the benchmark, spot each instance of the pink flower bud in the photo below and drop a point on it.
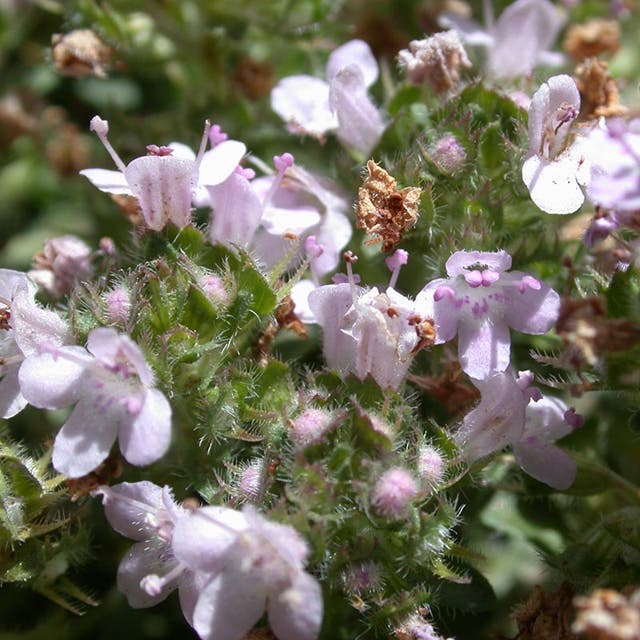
(310, 427)
(250, 481)
(430, 466)
(213, 287)
(118, 302)
(394, 491)
(448, 155)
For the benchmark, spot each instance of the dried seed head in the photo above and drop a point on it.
(608, 615)
(435, 60)
(80, 53)
(598, 91)
(592, 38)
(384, 210)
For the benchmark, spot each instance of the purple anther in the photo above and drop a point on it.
(473, 278)
(529, 282)
(396, 260)
(283, 162)
(313, 248)
(573, 419)
(444, 292)
(217, 135)
(489, 277)
(155, 150)
(245, 172)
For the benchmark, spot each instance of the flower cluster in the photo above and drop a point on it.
(228, 566)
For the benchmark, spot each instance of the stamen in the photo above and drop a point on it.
(203, 143)
(281, 163)
(350, 258)
(101, 129)
(155, 150)
(314, 250)
(529, 282)
(154, 584)
(573, 419)
(395, 262)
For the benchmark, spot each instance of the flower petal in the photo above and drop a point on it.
(163, 186)
(497, 421)
(140, 561)
(360, 124)
(483, 347)
(303, 101)
(85, 438)
(545, 462)
(355, 52)
(145, 437)
(220, 162)
(459, 262)
(229, 606)
(11, 400)
(127, 506)
(523, 30)
(108, 180)
(52, 381)
(236, 212)
(533, 311)
(203, 538)
(296, 613)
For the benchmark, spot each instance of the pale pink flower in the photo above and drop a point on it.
(112, 386)
(480, 301)
(167, 179)
(24, 328)
(556, 165)
(253, 565)
(341, 104)
(518, 41)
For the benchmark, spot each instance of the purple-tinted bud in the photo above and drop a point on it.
(363, 576)
(250, 481)
(118, 303)
(107, 246)
(448, 155)
(393, 492)
(430, 466)
(310, 427)
(213, 287)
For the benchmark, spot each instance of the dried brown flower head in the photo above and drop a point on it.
(80, 53)
(588, 333)
(598, 91)
(435, 60)
(384, 210)
(592, 38)
(110, 469)
(255, 78)
(608, 615)
(546, 616)
(449, 388)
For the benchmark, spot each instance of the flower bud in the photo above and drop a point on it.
(448, 155)
(310, 427)
(213, 287)
(394, 491)
(118, 303)
(430, 466)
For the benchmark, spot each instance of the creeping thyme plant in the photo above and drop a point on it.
(322, 315)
